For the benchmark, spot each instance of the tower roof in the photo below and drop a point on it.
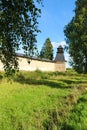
(60, 54)
(60, 49)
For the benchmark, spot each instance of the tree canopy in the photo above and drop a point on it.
(18, 27)
(76, 37)
(47, 50)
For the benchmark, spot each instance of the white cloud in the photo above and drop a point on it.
(56, 44)
(63, 43)
(67, 56)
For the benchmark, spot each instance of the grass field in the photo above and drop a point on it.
(43, 101)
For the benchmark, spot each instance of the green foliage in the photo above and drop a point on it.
(76, 37)
(44, 101)
(47, 50)
(18, 27)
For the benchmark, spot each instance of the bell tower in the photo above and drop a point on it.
(60, 54)
(60, 60)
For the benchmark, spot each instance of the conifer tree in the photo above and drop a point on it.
(47, 50)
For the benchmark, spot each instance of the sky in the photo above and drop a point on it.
(55, 15)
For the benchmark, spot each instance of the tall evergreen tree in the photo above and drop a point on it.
(47, 50)
(18, 26)
(76, 37)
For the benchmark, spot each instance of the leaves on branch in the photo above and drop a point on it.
(76, 37)
(18, 27)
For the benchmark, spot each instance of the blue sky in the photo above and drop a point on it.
(55, 15)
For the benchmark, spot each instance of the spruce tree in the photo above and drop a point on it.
(47, 50)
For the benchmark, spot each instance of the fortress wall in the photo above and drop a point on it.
(1, 66)
(39, 65)
(60, 66)
(35, 65)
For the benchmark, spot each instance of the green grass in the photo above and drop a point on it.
(43, 101)
(78, 117)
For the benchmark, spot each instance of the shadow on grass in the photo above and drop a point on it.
(67, 127)
(44, 79)
(74, 81)
(1, 77)
(55, 84)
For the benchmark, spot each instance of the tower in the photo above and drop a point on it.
(60, 54)
(60, 60)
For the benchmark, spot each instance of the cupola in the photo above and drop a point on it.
(60, 54)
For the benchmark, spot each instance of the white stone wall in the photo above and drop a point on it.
(35, 65)
(1, 66)
(60, 66)
(39, 65)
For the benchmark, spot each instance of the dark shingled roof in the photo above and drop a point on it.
(60, 54)
(33, 58)
(60, 57)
